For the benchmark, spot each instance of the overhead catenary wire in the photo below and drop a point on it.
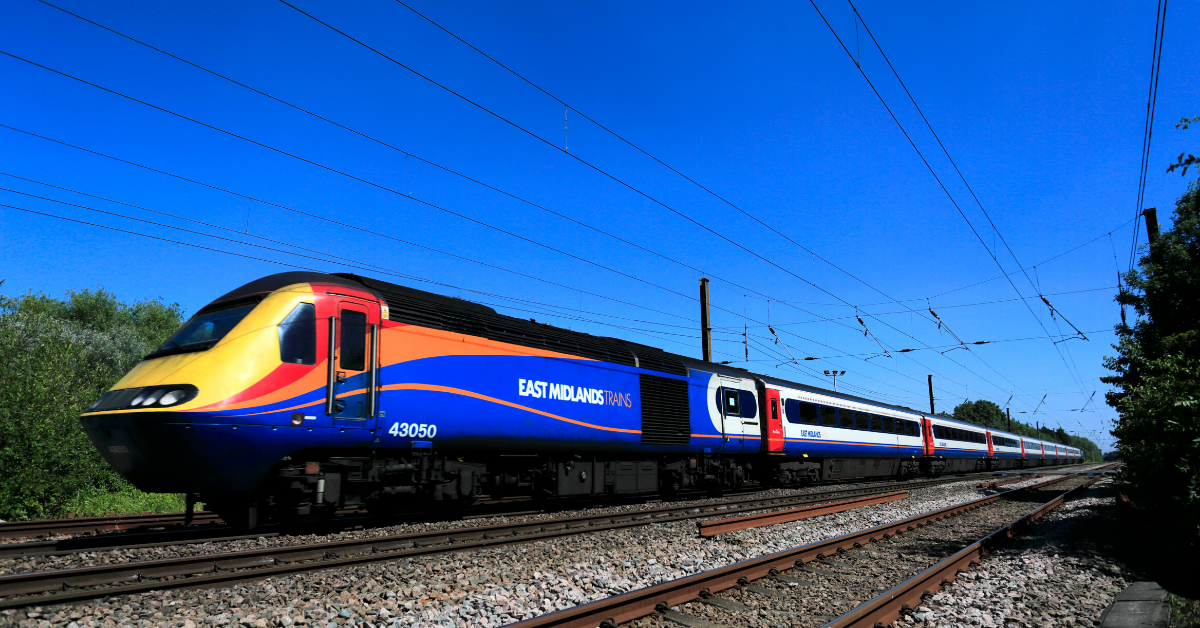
(336, 171)
(363, 229)
(261, 259)
(366, 136)
(355, 263)
(406, 153)
(1160, 27)
(644, 152)
(1041, 263)
(946, 152)
(941, 307)
(268, 147)
(943, 187)
(401, 150)
(595, 168)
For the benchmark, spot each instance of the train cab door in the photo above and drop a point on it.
(351, 390)
(991, 450)
(772, 422)
(927, 436)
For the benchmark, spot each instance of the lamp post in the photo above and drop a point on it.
(834, 375)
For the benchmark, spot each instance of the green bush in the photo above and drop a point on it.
(57, 356)
(1157, 372)
(123, 498)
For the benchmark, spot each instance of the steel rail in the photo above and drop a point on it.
(19, 529)
(218, 569)
(713, 527)
(890, 605)
(641, 602)
(220, 534)
(121, 523)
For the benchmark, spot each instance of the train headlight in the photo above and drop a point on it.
(147, 397)
(173, 397)
(297, 418)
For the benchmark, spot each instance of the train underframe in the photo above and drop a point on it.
(313, 490)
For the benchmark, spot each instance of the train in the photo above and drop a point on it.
(302, 393)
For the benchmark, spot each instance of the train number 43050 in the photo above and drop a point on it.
(416, 430)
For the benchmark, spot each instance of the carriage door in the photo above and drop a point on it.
(927, 436)
(991, 451)
(353, 345)
(773, 425)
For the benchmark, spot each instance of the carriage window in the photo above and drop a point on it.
(748, 405)
(298, 336)
(732, 405)
(828, 417)
(354, 341)
(798, 412)
(914, 429)
(937, 431)
(888, 424)
(846, 418)
(876, 423)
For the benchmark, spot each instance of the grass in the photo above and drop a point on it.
(126, 501)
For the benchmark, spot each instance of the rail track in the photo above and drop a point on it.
(741, 594)
(223, 569)
(167, 529)
(96, 534)
(159, 521)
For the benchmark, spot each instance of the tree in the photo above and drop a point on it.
(1157, 370)
(1184, 161)
(982, 412)
(58, 356)
(987, 414)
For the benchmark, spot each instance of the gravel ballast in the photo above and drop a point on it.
(1053, 575)
(820, 591)
(484, 588)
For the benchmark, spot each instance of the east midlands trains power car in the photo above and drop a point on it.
(300, 393)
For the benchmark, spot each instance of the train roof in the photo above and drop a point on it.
(436, 311)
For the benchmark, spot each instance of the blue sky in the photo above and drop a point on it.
(1041, 105)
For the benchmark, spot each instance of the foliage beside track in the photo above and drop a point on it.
(1157, 372)
(987, 414)
(57, 356)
